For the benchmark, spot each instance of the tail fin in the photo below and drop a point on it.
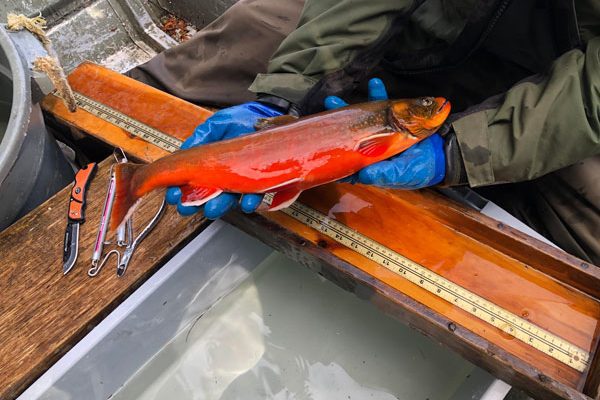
(125, 198)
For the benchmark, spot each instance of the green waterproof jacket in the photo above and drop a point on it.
(523, 76)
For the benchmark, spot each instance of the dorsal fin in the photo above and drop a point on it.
(266, 123)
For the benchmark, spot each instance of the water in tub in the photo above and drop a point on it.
(287, 333)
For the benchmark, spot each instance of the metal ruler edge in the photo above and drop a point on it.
(513, 325)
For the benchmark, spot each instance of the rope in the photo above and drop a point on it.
(35, 25)
(50, 65)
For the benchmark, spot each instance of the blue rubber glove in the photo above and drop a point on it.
(224, 124)
(419, 166)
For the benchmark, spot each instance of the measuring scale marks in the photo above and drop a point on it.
(132, 126)
(508, 322)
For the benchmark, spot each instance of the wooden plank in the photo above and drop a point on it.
(592, 385)
(556, 291)
(518, 245)
(44, 313)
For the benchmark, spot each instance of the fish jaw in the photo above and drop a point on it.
(430, 124)
(419, 117)
(440, 116)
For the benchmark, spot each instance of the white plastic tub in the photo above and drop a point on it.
(227, 318)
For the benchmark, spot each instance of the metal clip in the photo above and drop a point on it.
(95, 269)
(120, 158)
(125, 234)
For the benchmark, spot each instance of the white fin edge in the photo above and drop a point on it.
(372, 137)
(202, 201)
(130, 212)
(274, 188)
(285, 204)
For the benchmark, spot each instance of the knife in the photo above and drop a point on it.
(76, 215)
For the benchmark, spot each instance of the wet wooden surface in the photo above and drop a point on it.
(537, 282)
(401, 222)
(43, 313)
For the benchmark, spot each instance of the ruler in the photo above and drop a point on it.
(436, 284)
(510, 323)
(133, 126)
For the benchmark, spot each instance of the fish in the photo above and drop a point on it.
(286, 156)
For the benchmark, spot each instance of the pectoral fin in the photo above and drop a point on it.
(266, 123)
(284, 199)
(374, 146)
(197, 195)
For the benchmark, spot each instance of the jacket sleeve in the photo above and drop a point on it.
(540, 125)
(329, 36)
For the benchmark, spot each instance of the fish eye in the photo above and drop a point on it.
(426, 101)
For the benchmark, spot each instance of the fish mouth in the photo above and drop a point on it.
(446, 102)
(443, 111)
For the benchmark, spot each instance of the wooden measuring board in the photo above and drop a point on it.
(515, 306)
(175, 117)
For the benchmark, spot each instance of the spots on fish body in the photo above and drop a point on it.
(370, 121)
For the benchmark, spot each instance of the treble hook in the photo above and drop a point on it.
(95, 269)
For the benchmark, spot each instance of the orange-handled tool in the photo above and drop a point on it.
(76, 215)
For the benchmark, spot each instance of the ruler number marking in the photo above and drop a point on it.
(128, 124)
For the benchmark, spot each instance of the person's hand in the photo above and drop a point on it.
(419, 166)
(224, 124)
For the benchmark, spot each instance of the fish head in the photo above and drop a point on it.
(419, 117)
